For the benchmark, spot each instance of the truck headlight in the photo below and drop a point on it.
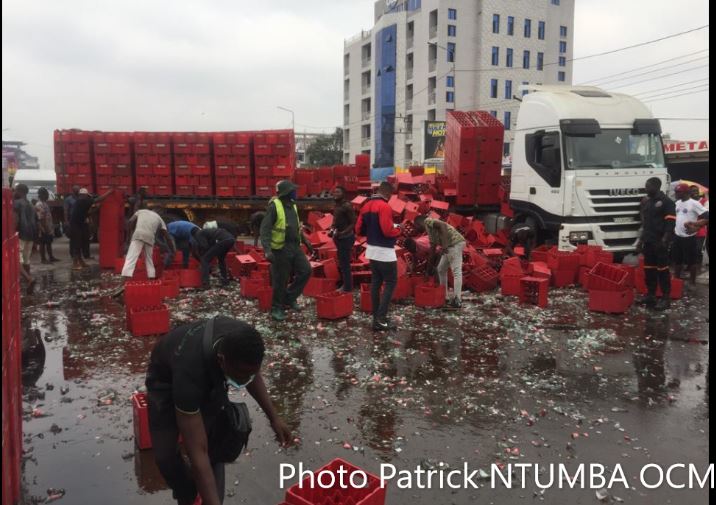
(579, 236)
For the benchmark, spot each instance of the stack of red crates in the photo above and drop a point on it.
(113, 161)
(153, 163)
(73, 160)
(232, 164)
(473, 156)
(191, 153)
(274, 159)
(11, 356)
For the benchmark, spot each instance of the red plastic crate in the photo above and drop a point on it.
(142, 293)
(366, 303)
(533, 291)
(265, 298)
(143, 321)
(371, 494)
(170, 288)
(563, 260)
(510, 285)
(482, 279)
(403, 289)
(189, 278)
(610, 302)
(140, 414)
(564, 278)
(539, 269)
(334, 305)
(330, 269)
(429, 295)
(251, 286)
(318, 285)
(606, 277)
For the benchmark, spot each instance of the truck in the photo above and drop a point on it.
(580, 161)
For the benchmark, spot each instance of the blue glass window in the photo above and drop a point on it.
(495, 23)
(494, 113)
(508, 58)
(540, 61)
(450, 96)
(562, 61)
(452, 30)
(452, 13)
(560, 76)
(495, 55)
(562, 46)
(540, 30)
(563, 31)
(555, 2)
(451, 51)
(508, 89)
(528, 28)
(493, 88)
(526, 59)
(450, 81)
(510, 25)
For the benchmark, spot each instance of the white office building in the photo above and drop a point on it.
(425, 57)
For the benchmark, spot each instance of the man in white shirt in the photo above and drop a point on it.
(691, 216)
(143, 228)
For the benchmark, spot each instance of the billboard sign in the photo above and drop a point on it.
(434, 139)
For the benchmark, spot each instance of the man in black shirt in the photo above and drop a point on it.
(213, 243)
(344, 219)
(255, 225)
(26, 224)
(521, 235)
(658, 217)
(79, 228)
(186, 387)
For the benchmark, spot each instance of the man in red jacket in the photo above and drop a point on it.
(376, 224)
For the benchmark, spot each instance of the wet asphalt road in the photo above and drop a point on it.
(497, 383)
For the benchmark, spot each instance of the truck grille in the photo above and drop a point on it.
(603, 203)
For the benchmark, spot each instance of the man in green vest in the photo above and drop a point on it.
(281, 238)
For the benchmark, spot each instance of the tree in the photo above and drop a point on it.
(326, 150)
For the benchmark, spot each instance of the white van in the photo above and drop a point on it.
(35, 179)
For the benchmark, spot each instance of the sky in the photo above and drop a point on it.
(174, 65)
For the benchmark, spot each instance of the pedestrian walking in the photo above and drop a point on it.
(342, 232)
(281, 238)
(26, 226)
(449, 244)
(46, 227)
(658, 214)
(375, 222)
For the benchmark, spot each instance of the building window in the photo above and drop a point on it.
(451, 51)
(540, 30)
(494, 113)
(495, 55)
(526, 60)
(508, 58)
(450, 96)
(452, 14)
(540, 61)
(524, 91)
(528, 28)
(562, 46)
(560, 76)
(555, 2)
(450, 81)
(495, 23)
(506, 145)
(493, 88)
(563, 31)
(562, 61)
(508, 89)
(452, 30)
(510, 25)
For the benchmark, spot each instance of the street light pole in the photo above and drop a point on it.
(293, 124)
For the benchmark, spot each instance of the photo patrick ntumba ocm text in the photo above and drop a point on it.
(510, 476)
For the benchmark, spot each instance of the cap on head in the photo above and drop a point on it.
(284, 188)
(682, 188)
(83, 191)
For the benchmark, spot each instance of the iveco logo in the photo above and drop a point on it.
(623, 191)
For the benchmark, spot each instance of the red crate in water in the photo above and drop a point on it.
(142, 293)
(607, 277)
(144, 321)
(334, 305)
(304, 494)
(189, 278)
(140, 414)
(429, 295)
(170, 288)
(533, 291)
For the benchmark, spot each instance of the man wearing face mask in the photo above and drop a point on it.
(281, 238)
(187, 381)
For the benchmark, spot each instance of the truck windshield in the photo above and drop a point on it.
(614, 149)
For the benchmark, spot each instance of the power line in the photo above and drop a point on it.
(592, 81)
(675, 91)
(658, 77)
(682, 118)
(675, 96)
(669, 87)
(652, 71)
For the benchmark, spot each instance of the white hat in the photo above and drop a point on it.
(84, 191)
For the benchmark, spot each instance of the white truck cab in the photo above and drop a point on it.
(580, 161)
